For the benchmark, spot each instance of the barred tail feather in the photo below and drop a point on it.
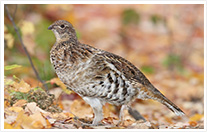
(171, 106)
(155, 94)
(174, 108)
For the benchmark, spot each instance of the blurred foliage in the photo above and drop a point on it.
(130, 16)
(10, 67)
(42, 35)
(145, 45)
(156, 19)
(148, 69)
(173, 60)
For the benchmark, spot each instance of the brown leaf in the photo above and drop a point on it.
(16, 109)
(6, 104)
(20, 103)
(21, 87)
(38, 121)
(192, 123)
(81, 109)
(32, 108)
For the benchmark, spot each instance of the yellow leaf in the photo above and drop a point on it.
(8, 37)
(48, 124)
(196, 117)
(24, 120)
(34, 121)
(69, 114)
(16, 126)
(9, 40)
(11, 67)
(7, 126)
(61, 84)
(5, 28)
(22, 86)
(38, 120)
(16, 109)
(8, 82)
(6, 104)
(27, 27)
(38, 125)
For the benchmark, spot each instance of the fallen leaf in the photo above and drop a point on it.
(11, 67)
(33, 108)
(6, 104)
(38, 121)
(140, 125)
(9, 40)
(192, 123)
(169, 120)
(20, 103)
(7, 126)
(24, 87)
(37, 125)
(61, 84)
(127, 122)
(81, 109)
(16, 109)
(196, 117)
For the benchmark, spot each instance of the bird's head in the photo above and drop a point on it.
(63, 30)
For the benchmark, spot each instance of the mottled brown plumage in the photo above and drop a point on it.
(99, 76)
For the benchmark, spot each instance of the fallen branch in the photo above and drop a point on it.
(25, 49)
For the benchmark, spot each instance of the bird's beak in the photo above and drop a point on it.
(50, 27)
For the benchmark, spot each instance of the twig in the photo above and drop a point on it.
(25, 49)
(14, 13)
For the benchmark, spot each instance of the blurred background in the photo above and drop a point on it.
(166, 42)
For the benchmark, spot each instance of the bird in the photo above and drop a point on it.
(99, 76)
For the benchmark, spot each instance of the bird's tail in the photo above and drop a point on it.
(158, 96)
(174, 108)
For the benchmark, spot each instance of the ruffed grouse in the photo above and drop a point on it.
(99, 76)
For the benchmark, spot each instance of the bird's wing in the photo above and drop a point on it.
(125, 67)
(104, 62)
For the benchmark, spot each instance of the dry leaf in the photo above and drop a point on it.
(16, 109)
(9, 40)
(21, 87)
(33, 121)
(20, 103)
(32, 108)
(24, 87)
(38, 121)
(61, 84)
(81, 109)
(196, 117)
(7, 126)
(6, 104)
(192, 123)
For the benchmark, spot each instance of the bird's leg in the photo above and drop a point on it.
(98, 115)
(97, 109)
(121, 113)
(135, 114)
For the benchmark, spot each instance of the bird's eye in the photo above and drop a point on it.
(62, 26)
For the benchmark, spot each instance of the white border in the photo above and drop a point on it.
(205, 62)
(96, 2)
(103, 2)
